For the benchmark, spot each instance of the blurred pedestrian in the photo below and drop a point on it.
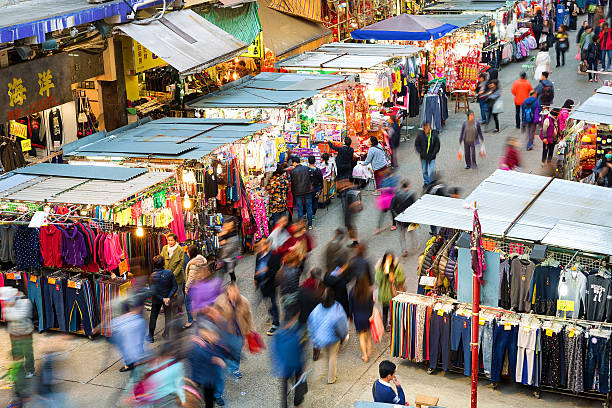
(470, 137)
(337, 280)
(316, 179)
(382, 391)
(328, 326)
(563, 115)
(530, 111)
(237, 311)
(404, 197)
(329, 178)
(229, 247)
(129, 331)
(511, 160)
(301, 187)
(585, 39)
(394, 139)
(593, 56)
(195, 271)
(542, 63)
(205, 359)
(277, 189)
(548, 135)
(537, 26)
(344, 159)
(164, 289)
(174, 260)
(520, 89)
(17, 312)
(481, 89)
(264, 279)
(287, 354)
(378, 159)
(495, 102)
(427, 145)
(288, 276)
(359, 265)
(336, 253)
(279, 234)
(160, 382)
(361, 306)
(605, 40)
(390, 280)
(299, 241)
(350, 197)
(383, 201)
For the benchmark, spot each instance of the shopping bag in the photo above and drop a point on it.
(459, 155)
(483, 151)
(376, 326)
(578, 57)
(255, 343)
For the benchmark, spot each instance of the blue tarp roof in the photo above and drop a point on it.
(267, 90)
(168, 138)
(83, 172)
(37, 17)
(405, 27)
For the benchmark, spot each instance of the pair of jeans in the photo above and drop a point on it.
(439, 336)
(35, 295)
(517, 116)
(188, 307)
(156, 306)
(495, 117)
(485, 343)
(54, 303)
(560, 56)
(592, 67)
(606, 59)
(273, 310)
(402, 227)
(505, 341)
(428, 168)
(598, 357)
(461, 333)
(81, 301)
(469, 150)
(315, 200)
(547, 152)
(304, 202)
(484, 109)
(529, 128)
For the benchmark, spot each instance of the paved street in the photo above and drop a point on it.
(90, 371)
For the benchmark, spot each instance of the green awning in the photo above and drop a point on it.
(241, 22)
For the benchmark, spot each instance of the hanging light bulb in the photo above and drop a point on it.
(139, 232)
(187, 202)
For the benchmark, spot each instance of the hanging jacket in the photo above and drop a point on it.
(51, 246)
(73, 246)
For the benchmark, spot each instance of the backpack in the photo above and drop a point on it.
(547, 94)
(528, 112)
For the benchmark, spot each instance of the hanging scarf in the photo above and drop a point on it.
(476, 249)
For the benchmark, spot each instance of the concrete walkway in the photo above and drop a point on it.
(90, 373)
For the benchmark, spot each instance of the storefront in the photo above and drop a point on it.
(220, 166)
(83, 231)
(587, 135)
(383, 69)
(544, 244)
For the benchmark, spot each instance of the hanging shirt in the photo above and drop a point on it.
(598, 298)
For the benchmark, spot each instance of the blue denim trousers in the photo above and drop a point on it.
(505, 341)
(428, 171)
(439, 336)
(598, 357)
(485, 343)
(304, 202)
(461, 333)
(35, 296)
(484, 108)
(54, 304)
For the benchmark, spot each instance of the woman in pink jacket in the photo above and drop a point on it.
(605, 41)
(564, 115)
(548, 135)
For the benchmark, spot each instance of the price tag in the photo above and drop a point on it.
(481, 321)
(33, 278)
(440, 312)
(565, 305)
(527, 329)
(549, 332)
(10, 276)
(71, 284)
(17, 275)
(507, 326)
(571, 333)
(26, 145)
(51, 281)
(18, 129)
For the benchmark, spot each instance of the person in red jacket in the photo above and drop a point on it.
(511, 159)
(520, 89)
(605, 40)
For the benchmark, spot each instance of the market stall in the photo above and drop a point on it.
(388, 72)
(587, 135)
(72, 236)
(547, 245)
(219, 164)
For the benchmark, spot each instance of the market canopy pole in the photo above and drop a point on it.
(478, 267)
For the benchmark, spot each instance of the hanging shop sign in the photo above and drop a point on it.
(255, 50)
(145, 59)
(18, 129)
(34, 86)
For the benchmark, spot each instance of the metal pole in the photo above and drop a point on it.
(475, 328)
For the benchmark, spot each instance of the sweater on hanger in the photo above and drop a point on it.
(51, 246)
(572, 287)
(73, 246)
(521, 272)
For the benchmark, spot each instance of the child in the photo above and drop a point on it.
(382, 391)
(511, 159)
